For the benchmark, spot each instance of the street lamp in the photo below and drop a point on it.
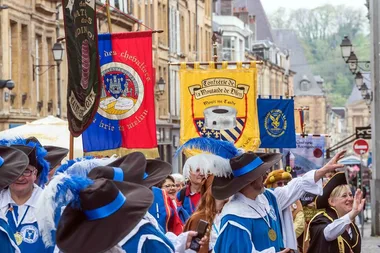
(7, 84)
(364, 90)
(352, 62)
(161, 85)
(359, 80)
(346, 48)
(58, 52)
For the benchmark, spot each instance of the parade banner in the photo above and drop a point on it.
(276, 121)
(125, 120)
(308, 155)
(83, 89)
(220, 104)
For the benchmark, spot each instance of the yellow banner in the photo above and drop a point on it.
(220, 104)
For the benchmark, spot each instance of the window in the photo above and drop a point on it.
(122, 5)
(228, 49)
(305, 85)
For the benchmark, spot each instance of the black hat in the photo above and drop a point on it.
(31, 153)
(135, 168)
(129, 168)
(246, 168)
(108, 213)
(337, 179)
(13, 163)
(55, 155)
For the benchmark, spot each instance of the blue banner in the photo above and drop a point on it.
(276, 122)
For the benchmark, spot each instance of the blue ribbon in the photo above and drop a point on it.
(248, 168)
(107, 210)
(145, 176)
(1, 161)
(118, 174)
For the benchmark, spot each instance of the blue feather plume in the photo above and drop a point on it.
(61, 191)
(40, 153)
(221, 148)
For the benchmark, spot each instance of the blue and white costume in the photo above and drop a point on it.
(243, 219)
(7, 240)
(22, 221)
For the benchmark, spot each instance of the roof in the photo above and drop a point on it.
(287, 39)
(356, 95)
(341, 111)
(263, 27)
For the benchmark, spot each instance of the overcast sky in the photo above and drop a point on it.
(271, 5)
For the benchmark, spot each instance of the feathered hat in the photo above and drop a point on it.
(54, 155)
(212, 156)
(36, 156)
(276, 176)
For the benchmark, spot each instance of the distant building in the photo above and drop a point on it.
(307, 88)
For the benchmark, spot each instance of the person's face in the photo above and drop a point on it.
(179, 185)
(342, 203)
(170, 188)
(258, 184)
(196, 177)
(25, 182)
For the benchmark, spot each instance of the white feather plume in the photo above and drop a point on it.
(82, 168)
(46, 207)
(207, 164)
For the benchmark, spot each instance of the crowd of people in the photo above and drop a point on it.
(133, 204)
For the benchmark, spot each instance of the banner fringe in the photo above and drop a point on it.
(151, 153)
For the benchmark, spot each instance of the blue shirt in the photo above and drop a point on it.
(250, 232)
(148, 239)
(7, 240)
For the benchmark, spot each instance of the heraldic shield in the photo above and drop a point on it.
(220, 104)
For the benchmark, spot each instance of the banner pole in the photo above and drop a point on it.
(216, 63)
(108, 15)
(71, 150)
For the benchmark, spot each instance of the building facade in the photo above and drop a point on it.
(29, 29)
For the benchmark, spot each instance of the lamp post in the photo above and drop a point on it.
(346, 48)
(58, 56)
(359, 80)
(161, 86)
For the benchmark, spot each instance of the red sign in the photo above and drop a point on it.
(361, 147)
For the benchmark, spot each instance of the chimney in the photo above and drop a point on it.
(242, 14)
(226, 8)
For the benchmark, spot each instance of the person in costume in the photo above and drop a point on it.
(279, 178)
(13, 163)
(209, 210)
(18, 201)
(258, 218)
(334, 230)
(169, 186)
(54, 155)
(132, 168)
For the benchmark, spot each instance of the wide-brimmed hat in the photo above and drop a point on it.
(108, 213)
(31, 153)
(155, 172)
(13, 163)
(129, 168)
(337, 179)
(55, 155)
(245, 169)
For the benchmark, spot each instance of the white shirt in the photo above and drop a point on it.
(337, 228)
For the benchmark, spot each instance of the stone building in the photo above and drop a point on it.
(28, 32)
(308, 89)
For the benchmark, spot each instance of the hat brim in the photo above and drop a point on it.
(157, 171)
(336, 180)
(15, 163)
(77, 234)
(55, 155)
(31, 153)
(223, 188)
(133, 166)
